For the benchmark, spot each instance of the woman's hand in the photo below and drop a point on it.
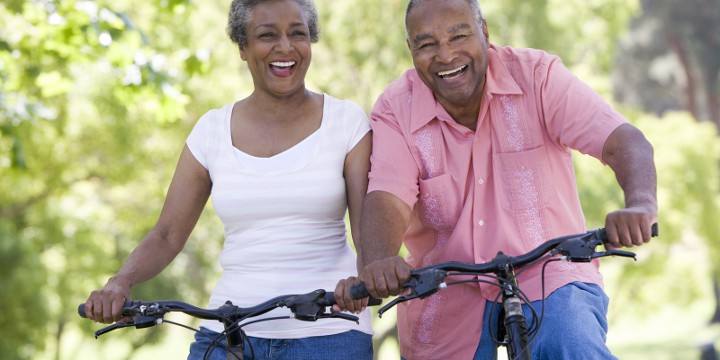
(105, 305)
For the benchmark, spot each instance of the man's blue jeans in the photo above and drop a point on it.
(346, 345)
(574, 325)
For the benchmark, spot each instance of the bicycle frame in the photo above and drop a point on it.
(517, 342)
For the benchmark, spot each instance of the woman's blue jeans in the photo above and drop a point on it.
(346, 345)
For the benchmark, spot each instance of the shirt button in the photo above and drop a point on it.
(481, 222)
(481, 181)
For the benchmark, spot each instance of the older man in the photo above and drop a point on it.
(471, 156)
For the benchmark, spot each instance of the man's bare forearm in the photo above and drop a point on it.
(630, 156)
(384, 220)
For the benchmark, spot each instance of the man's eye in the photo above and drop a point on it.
(424, 46)
(458, 37)
(266, 36)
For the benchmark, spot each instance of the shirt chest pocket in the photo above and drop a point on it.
(439, 202)
(524, 179)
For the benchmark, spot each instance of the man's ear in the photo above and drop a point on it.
(483, 25)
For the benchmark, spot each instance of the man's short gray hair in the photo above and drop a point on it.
(473, 5)
(241, 12)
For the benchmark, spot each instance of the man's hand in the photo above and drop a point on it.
(384, 278)
(631, 226)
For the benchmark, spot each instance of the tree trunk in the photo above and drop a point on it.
(716, 292)
(713, 103)
(677, 47)
(58, 338)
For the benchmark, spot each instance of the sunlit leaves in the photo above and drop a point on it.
(87, 97)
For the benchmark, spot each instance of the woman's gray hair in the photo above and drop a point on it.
(241, 12)
(473, 5)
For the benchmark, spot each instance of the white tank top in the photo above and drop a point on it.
(283, 217)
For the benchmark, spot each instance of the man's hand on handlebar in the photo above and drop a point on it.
(105, 305)
(631, 226)
(384, 278)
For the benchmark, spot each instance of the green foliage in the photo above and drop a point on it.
(687, 155)
(579, 31)
(97, 97)
(92, 118)
(361, 48)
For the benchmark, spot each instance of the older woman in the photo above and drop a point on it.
(282, 165)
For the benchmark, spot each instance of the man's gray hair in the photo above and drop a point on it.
(241, 12)
(473, 5)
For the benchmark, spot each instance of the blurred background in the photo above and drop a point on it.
(97, 98)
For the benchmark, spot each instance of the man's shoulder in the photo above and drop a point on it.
(402, 85)
(508, 53)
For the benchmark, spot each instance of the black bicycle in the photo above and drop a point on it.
(305, 307)
(500, 271)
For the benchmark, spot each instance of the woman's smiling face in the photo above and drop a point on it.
(278, 47)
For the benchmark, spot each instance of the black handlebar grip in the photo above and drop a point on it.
(359, 291)
(126, 306)
(654, 230)
(374, 302)
(81, 310)
(330, 296)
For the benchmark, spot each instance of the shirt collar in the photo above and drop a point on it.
(425, 108)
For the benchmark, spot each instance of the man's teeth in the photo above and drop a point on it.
(282, 63)
(451, 72)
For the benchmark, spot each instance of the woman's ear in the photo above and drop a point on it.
(242, 53)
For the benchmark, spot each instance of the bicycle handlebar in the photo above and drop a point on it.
(575, 248)
(131, 307)
(305, 307)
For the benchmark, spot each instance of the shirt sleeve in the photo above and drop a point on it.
(198, 140)
(393, 168)
(360, 124)
(575, 115)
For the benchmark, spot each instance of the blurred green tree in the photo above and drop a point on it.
(92, 115)
(670, 60)
(97, 97)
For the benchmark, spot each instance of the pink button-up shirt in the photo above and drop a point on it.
(508, 186)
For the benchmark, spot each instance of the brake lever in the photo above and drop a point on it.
(392, 303)
(402, 298)
(614, 252)
(112, 327)
(339, 316)
(422, 285)
(139, 322)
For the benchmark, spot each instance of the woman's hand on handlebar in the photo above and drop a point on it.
(345, 302)
(384, 278)
(105, 305)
